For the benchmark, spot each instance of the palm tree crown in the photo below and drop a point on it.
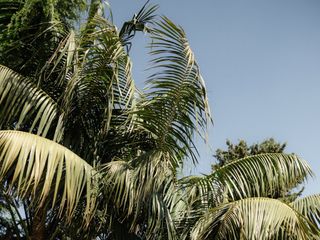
(88, 155)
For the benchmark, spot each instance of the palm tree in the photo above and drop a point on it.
(88, 155)
(244, 209)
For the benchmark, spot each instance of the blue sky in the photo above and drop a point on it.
(261, 63)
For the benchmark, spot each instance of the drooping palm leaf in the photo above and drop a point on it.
(266, 175)
(50, 173)
(253, 218)
(175, 105)
(309, 207)
(23, 105)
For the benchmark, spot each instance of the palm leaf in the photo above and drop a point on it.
(309, 207)
(23, 105)
(253, 218)
(268, 175)
(139, 22)
(175, 106)
(93, 72)
(144, 193)
(46, 171)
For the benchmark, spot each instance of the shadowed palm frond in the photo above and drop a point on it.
(93, 72)
(203, 192)
(143, 192)
(263, 175)
(50, 173)
(253, 218)
(23, 105)
(309, 207)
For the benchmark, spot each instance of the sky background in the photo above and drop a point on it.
(261, 63)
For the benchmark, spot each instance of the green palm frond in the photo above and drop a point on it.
(253, 218)
(175, 105)
(107, 63)
(266, 175)
(50, 173)
(92, 73)
(309, 207)
(23, 105)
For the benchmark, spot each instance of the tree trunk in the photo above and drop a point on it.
(39, 225)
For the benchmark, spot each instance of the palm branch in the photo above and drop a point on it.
(24, 105)
(48, 172)
(309, 207)
(254, 218)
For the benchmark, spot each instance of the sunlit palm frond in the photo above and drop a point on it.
(93, 73)
(50, 173)
(265, 175)
(309, 207)
(23, 105)
(253, 218)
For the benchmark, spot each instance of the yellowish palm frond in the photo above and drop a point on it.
(253, 218)
(309, 207)
(46, 171)
(263, 175)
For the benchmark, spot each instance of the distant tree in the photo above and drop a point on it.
(242, 149)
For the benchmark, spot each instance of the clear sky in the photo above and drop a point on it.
(261, 63)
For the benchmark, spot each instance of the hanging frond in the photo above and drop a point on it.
(253, 218)
(263, 175)
(46, 171)
(175, 105)
(309, 207)
(23, 105)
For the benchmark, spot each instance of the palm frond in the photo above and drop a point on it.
(175, 105)
(201, 191)
(263, 175)
(144, 193)
(93, 72)
(139, 22)
(50, 173)
(253, 218)
(23, 105)
(309, 207)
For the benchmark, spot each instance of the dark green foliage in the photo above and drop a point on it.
(241, 150)
(30, 30)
